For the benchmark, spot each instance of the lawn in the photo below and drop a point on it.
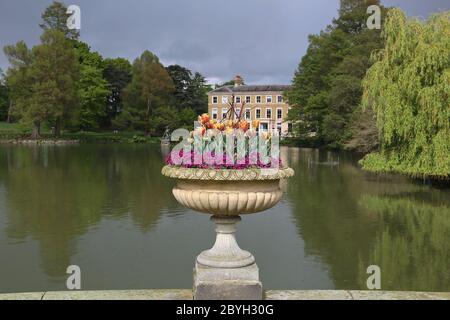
(10, 131)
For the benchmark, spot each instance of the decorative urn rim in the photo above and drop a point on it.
(249, 174)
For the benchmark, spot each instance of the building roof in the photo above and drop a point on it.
(250, 88)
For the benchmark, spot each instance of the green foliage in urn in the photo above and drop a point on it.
(408, 87)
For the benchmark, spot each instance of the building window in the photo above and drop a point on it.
(224, 99)
(279, 129)
(214, 113)
(280, 99)
(224, 113)
(269, 113)
(264, 126)
(279, 113)
(248, 99)
(238, 112)
(258, 113)
(247, 113)
(215, 100)
(238, 99)
(268, 99)
(258, 99)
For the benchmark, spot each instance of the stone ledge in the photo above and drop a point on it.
(353, 295)
(186, 294)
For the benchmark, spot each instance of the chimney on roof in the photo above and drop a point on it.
(238, 81)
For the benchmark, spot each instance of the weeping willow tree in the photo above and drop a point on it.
(408, 87)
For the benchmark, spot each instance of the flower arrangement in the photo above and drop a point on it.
(232, 143)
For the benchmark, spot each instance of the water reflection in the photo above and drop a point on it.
(107, 208)
(55, 194)
(352, 219)
(412, 245)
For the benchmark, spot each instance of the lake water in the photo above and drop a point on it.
(107, 209)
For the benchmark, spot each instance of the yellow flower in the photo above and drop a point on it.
(255, 124)
(266, 135)
(229, 130)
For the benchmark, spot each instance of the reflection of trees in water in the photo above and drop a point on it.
(325, 209)
(332, 216)
(412, 246)
(54, 194)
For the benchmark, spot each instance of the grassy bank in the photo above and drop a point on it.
(18, 132)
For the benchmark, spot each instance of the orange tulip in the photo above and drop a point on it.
(255, 124)
(244, 125)
(204, 118)
(200, 130)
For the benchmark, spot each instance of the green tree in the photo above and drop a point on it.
(93, 92)
(43, 80)
(93, 89)
(55, 18)
(118, 74)
(326, 92)
(17, 77)
(181, 78)
(408, 88)
(198, 94)
(190, 89)
(150, 88)
(4, 99)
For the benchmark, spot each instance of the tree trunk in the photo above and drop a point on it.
(58, 127)
(8, 120)
(36, 133)
(147, 118)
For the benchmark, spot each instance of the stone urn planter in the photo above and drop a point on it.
(226, 271)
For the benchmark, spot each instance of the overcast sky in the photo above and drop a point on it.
(263, 40)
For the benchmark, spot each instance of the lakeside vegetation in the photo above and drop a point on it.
(14, 132)
(383, 93)
(408, 89)
(64, 85)
(327, 86)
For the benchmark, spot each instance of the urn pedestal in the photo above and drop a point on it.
(226, 271)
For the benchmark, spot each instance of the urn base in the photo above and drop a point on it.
(227, 283)
(226, 252)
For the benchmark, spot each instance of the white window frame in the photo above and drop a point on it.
(238, 99)
(267, 99)
(224, 112)
(280, 99)
(224, 99)
(258, 110)
(214, 112)
(248, 115)
(248, 99)
(280, 118)
(261, 124)
(258, 98)
(269, 110)
(215, 99)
